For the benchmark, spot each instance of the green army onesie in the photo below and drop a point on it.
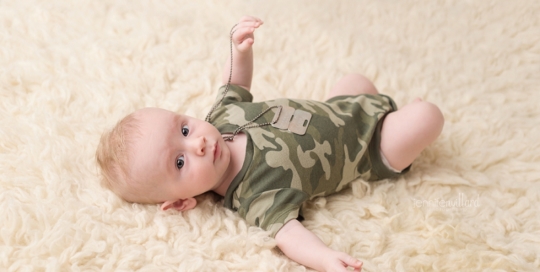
(282, 169)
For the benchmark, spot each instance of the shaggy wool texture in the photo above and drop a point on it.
(69, 70)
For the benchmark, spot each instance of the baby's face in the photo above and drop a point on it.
(183, 156)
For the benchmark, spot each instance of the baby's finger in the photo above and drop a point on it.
(350, 261)
(250, 19)
(245, 45)
(242, 33)
(247, 24)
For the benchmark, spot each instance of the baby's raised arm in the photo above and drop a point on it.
(242, 53)
(304, 247)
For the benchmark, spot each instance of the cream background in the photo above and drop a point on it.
(70, 69)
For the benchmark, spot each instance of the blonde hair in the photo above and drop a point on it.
(113, 158)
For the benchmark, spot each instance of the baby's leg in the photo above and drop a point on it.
(407, 131)
(353, 84)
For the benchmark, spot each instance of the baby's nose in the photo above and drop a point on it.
(200, 145)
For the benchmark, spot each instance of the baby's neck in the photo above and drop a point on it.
(237, 149)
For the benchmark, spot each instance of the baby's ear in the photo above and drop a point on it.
(180, 204)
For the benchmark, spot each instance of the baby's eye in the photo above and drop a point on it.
(185, 130)
(180, 162)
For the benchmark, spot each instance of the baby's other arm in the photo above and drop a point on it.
(242, 66)
(304, 247)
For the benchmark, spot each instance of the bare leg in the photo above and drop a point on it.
(352, 84)
(406, 132)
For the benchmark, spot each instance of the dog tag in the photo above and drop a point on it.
(300, 122)
(283, 117)
(295, 121)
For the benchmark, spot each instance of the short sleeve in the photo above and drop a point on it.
(234, 94)
(271, 210)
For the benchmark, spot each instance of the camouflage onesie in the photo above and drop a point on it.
(282, 170)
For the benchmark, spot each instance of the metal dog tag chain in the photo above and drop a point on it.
(291, 119)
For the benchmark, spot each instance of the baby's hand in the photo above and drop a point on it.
(242, 34)
(339, 261)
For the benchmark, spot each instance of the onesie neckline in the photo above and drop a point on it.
(240, 176)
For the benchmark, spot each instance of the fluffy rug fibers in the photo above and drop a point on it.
(69, 70)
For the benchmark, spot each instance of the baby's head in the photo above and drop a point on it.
(114, 152)
(158, 156)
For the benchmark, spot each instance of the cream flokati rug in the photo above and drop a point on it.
(71, 69)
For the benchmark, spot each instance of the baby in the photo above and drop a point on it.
(267, 158)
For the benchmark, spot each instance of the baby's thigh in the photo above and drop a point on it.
(406, 132)
(352, 84)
